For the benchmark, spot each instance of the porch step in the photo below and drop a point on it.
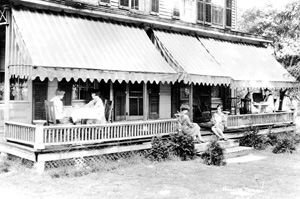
(226, 144)
(238, 151)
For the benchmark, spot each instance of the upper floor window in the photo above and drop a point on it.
(204, 11)
(176, 10)
(104, 2)
(217, 12)
(155, 6)
(228, 12)
(132, 4)
(210, 11)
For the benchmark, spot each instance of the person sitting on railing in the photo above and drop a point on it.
(219, 123)
(186, 126)
(58, 107)
(270, 101)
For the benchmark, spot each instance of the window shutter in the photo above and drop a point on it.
(228, 12)
(208, 13)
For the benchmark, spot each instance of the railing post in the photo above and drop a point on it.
(39, 134)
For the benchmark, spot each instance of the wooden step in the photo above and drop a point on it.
(226, 144)
(238, 151)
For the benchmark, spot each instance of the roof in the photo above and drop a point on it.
(193, 58)
(68, 46)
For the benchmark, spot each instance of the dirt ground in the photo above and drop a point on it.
(270, 176)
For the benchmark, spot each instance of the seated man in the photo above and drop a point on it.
(96, 103)
(58, 107)
(252, 106)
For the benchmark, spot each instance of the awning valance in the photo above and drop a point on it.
(192, 57)
(249, 65)
(56, 45)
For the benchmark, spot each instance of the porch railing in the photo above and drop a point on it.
(239, 121)
(41, 136)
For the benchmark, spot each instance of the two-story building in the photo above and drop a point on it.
(147, 56)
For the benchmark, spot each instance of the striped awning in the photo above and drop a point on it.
(192, 57)
(56, 45)
(249, 65)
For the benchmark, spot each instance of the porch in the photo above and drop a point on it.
(41, 144)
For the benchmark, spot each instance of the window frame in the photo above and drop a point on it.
(154, 12)
(12, 84)
(104, 3)
(206, 4)
(176, 9)
(129, 7)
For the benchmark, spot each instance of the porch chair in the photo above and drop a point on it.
(50, 113)
(108, 110)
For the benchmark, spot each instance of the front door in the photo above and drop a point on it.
(40, 90)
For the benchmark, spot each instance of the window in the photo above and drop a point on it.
(104, 2)
(80, 90)
(136, 99)
(155, 6)
(176, 11)
(210, 11)
(132, 4)
(228, 12)
(18, 89)
(204, 11)
(217, 14)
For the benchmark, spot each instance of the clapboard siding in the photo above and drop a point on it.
(165, 9)
(165, 101)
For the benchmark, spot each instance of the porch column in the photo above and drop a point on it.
(191, 101)
(111, 91)
(145, 102)
(7, 55)
(127, 102)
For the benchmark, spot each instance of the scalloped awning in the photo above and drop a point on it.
(56, 45)
(249, 65)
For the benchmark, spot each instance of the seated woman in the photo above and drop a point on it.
(187, 126)
(219, 122)
(269, 99)
(58, 107)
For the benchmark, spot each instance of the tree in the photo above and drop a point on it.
(283, 27)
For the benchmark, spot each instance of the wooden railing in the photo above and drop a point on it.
(239, 121)
(42, 136)
(20, 132)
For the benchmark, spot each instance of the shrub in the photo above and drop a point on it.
(251, 138)
(4, 166)
(182, 145)
(285, 145)
(214, 154)
(160, 150)
(272, 138)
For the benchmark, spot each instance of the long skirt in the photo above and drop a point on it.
(192, 131)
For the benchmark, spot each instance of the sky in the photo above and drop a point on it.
(245, 4)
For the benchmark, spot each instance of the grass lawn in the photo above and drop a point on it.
(274, 176)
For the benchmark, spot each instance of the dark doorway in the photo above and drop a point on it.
(40, 90)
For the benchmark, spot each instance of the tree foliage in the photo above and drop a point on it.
(283, 26)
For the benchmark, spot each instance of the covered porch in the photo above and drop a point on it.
(146, 89)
